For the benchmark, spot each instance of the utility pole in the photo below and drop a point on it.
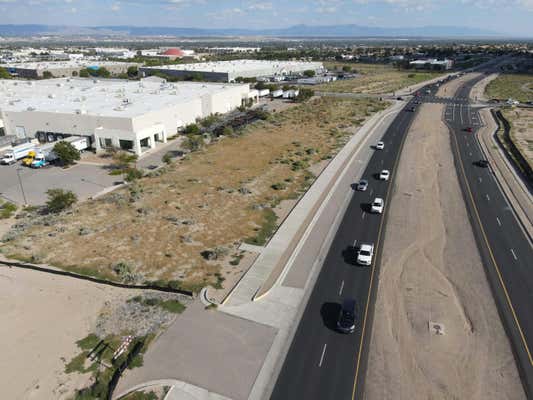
(22, 187)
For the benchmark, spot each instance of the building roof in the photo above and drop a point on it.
(106, 97)
(236, 66)
(173, 52)
(51, 65)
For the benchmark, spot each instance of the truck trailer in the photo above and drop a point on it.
(45, 156)
(16, 153)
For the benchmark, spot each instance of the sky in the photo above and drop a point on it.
(512, 17)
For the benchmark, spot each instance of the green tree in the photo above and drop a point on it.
(4, 73)
(347, 68)
(309, 73)
(103, 72)
(133, 71)
(59, 199)
(84, 73)
(47, 75)
(74, 73)
(66, 152)
(304, 94)
(191, 129)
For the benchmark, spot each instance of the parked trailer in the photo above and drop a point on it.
(264, 92)
(80, 143)
(45, 156)
(16, 153)
(277, 93)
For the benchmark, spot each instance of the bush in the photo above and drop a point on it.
(47, 75)
(4, 74)
(84, 73)
(167, 158)
(304, 94)
(228, 131)
(309, 73)
(191, 129)
(7, 209)
(133, 71)
(279, 186)
(132, 174)
(194, 143)
(59, 199)
(66, 152)
(346, 68)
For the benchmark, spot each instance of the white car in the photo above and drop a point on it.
(384, 175)
(377, 206)
(365, 254)
(380, 145)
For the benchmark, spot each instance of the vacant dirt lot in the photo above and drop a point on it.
(515, 86)
(158, 227)
(432, 273)
(374, 79)
(41, 318)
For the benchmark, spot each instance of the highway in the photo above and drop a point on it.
(323, 363)
(505, 248)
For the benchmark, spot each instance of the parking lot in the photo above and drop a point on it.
(84, 180)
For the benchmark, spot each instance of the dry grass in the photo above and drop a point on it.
(515, 86)
(521, 120)
(214, 198)
(375, 79)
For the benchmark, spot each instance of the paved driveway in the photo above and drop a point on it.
(84, 180)
(209, 349)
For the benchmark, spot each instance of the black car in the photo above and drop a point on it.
(346, 321)
(482, 163)
(411, 109)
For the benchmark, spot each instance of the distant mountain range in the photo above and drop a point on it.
(293, 31)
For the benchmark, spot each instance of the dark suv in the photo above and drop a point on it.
(482, 163)
(346, 321)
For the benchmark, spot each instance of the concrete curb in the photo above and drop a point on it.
(188, 391)
(272, 261)
(497, 167)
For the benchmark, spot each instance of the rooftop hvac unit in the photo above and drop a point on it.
(51, 96)
(30, 108)
(81, 111)
(59, 85)
(119, 108)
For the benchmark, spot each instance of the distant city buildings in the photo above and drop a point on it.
(432, 64)
(59, 69)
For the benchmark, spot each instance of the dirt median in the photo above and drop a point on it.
(432, 273)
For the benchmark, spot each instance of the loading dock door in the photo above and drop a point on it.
(126, 144)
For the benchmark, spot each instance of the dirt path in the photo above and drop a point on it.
(431, 271)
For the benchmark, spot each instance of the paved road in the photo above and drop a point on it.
(506, 250)
(322, 363)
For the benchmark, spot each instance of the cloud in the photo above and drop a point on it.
(260, 7)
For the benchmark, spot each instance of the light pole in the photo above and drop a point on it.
(22, 187)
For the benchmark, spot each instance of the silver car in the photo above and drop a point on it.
(362, 185)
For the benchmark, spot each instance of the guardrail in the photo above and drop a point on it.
(518, 159)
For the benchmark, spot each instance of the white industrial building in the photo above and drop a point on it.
(132, 115)
(228, 71)
(432, 64)
(60, 69)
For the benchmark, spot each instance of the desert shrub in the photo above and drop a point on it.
(59, 199)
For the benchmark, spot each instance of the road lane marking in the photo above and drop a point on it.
(479, 179)
(363, 215)
(354, 242)
(470, 154)
(323, 353)
(371, 191)
(514, 255)
(494, 263)
(498, 221)
(487, 196)
(342, 287)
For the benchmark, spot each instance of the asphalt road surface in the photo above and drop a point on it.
(505, 248)
(323, 363)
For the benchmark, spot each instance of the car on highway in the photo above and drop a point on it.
(377, 206)
(362, 185)
(384, 175)
(365, 254)
(468, 129)
(346, 320)
(400, 98)
(411, 109)
(380, 145)
(482, 163)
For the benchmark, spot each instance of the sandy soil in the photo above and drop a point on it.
(41, 318)
(431, 271)
(521, 120)
(478, 91)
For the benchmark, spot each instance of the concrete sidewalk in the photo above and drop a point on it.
(272, 260)
(283, 305)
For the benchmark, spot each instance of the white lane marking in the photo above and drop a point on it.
(467, 144)
(342, 287)
(498, 221)
(479, 179)
(461, 113)
(514, 255)
(323, 353)
(381, 161)
(371, 191)
(470, 153)
(487, 196)
(354, 242)
(363, 215)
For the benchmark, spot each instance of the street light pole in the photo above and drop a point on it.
(22, 187)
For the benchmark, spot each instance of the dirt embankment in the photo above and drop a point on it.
(432, 273)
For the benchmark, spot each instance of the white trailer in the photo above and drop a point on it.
(264, 92)
(277, 93)
(16, 153)
(80, 143)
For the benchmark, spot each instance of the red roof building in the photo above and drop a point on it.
(173, 53)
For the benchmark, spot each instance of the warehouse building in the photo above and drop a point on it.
(432, 64)
(132, 115)
(61, 69)
(229, 71)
